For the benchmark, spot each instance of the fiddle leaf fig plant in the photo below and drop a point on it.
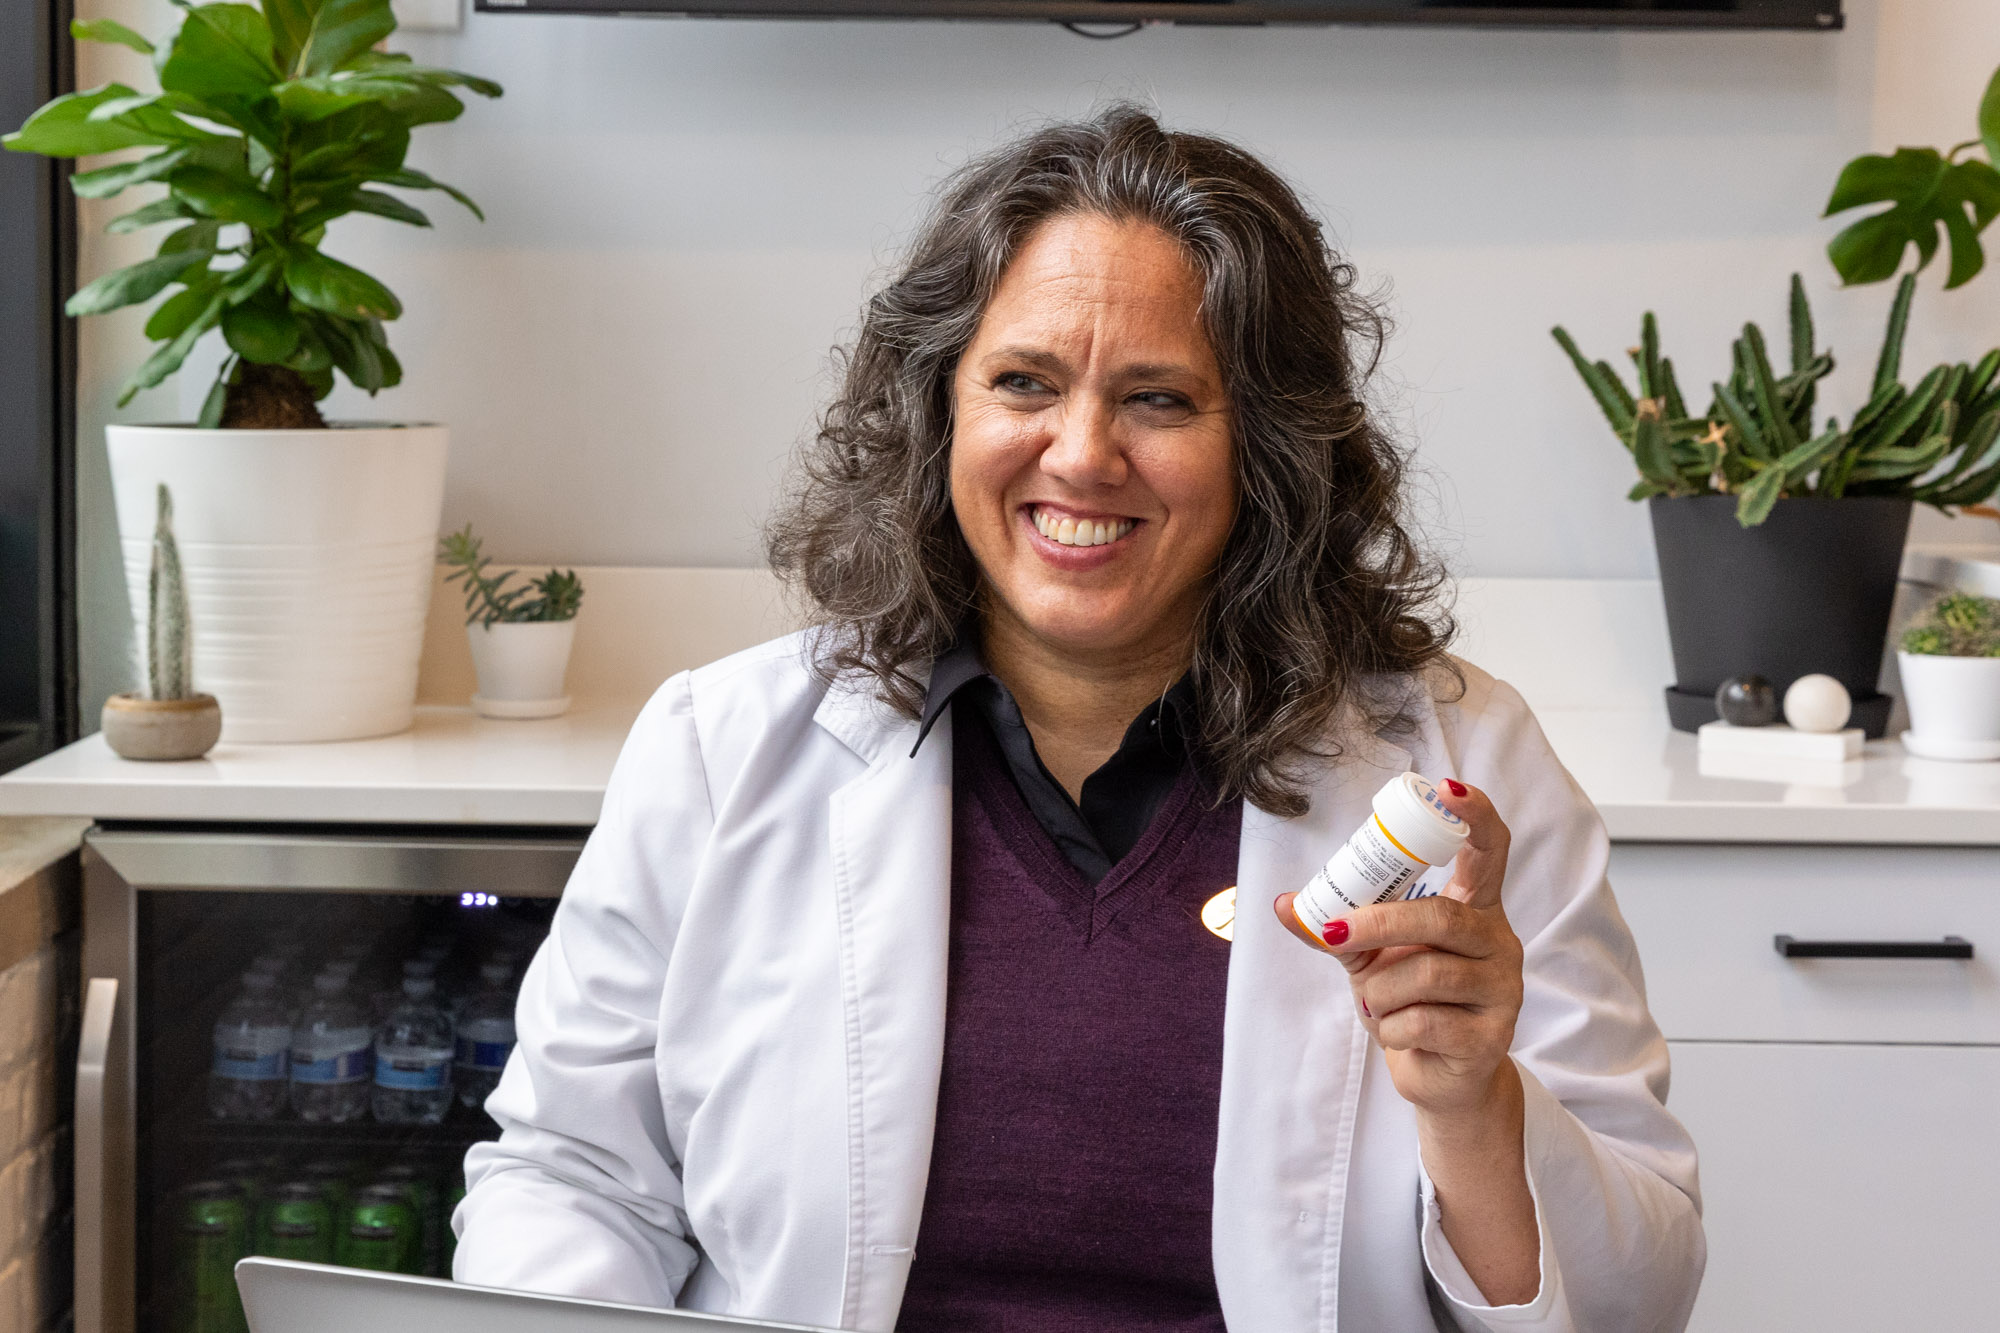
(271, 122)
(1927, 191)
(1938, 443)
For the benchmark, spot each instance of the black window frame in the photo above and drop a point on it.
(38, 635)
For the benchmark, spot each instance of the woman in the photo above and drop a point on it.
(880, 999)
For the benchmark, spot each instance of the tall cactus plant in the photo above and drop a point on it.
(169, 661)
(1937, 443)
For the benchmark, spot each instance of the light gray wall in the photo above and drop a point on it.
(685, 216)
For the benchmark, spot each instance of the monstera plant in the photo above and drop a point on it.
(307, 545)
(270, 123)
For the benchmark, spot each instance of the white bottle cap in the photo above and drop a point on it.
(1414, 815)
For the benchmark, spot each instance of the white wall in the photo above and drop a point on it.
(685, 216)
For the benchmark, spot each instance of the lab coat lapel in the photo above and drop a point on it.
(891, 834)
(1292, 1055)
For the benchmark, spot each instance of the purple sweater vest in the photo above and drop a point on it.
(1071, 1179)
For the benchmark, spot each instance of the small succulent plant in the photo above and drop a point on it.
(1958, 624)
(556, 595)
(169, 659)
(1938, 443)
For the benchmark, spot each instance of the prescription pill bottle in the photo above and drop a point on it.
(1409, 832)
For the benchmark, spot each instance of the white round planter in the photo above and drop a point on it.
(308, 558)
(521, 667)
(1954, 706)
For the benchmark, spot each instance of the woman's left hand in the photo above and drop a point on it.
(1438, 978)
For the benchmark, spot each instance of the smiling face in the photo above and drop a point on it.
(1091, 467)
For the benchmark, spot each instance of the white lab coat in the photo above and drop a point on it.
(726, 1082)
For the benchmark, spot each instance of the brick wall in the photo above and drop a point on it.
(38, 1021)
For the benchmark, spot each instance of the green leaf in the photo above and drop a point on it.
(1649, 446)
(167, 359)
(1967, 255)
(1757, 499)
(137, 282)
(334, 288)
(1889, 366)
(1907, 417)
(179, 310)
(222, 52)
(160, 210)
(354, 353)
(339, 31)
(386, 206)
(261, 331)
(1801, 462)
(1776, 421)
(217, 399)
(1872, 249)
(63, 128)
(107, 181)
(105, 30)
(1989, 119)
(321, 95)
(226, 196)
(427, 105)
(195, 236)
(403, 66)
(257, 273)
(1909, 177)
(1749, 434)
(411, 179)
(290, 22)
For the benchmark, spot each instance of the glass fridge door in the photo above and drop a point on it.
(309, 1055)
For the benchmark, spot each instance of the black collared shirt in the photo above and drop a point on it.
(1119, 799)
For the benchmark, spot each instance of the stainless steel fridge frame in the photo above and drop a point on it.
(123, 860)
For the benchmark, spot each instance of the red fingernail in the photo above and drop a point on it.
(1454, 786)
(1335, 933)
(1365, 1009)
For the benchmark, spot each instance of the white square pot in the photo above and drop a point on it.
(521, 667)
(1954, 705)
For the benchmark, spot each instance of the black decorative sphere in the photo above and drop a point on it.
(1747, 701)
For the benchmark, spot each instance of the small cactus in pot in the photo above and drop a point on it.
(171, 720)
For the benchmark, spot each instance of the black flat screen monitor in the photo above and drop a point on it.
(1812, 15)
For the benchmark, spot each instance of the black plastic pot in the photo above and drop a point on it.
(1808, 590)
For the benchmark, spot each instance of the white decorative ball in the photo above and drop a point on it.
(1817, 703)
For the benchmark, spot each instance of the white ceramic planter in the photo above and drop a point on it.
(521, 667)
(1954, 706)
(308, 558)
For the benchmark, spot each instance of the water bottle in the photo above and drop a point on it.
(333, 1052)
(413, 1055)
(485, 1035)
(253, 1042)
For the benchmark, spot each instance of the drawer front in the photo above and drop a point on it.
(1705, 916)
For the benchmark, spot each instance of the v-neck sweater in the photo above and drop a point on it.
(1071, 1179)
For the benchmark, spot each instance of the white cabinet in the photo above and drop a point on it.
(1847, 1111)
(1845, 1187)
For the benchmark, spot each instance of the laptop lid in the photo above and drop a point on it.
(285, 1296)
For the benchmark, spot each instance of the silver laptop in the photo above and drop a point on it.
(283, 1296)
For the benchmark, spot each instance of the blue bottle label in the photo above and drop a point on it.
(346, 1067)
(249, 1065)
(408, 1075)
(489, 1057)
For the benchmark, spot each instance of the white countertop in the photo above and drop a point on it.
(455, 768)
(452, 767)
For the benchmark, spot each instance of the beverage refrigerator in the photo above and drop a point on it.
(204, 1111)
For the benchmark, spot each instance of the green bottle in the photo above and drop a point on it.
(297, 1224)
(214, 1234)
(382, 1232)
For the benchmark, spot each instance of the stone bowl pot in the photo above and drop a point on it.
(138, 728)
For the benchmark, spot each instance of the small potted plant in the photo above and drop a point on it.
(1779, 539)
(520, 636)
(170, 720)
(1950, 663)
(311, 540)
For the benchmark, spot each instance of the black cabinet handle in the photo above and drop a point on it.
(1951, 946)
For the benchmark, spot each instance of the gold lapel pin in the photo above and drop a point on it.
(1219, 914)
